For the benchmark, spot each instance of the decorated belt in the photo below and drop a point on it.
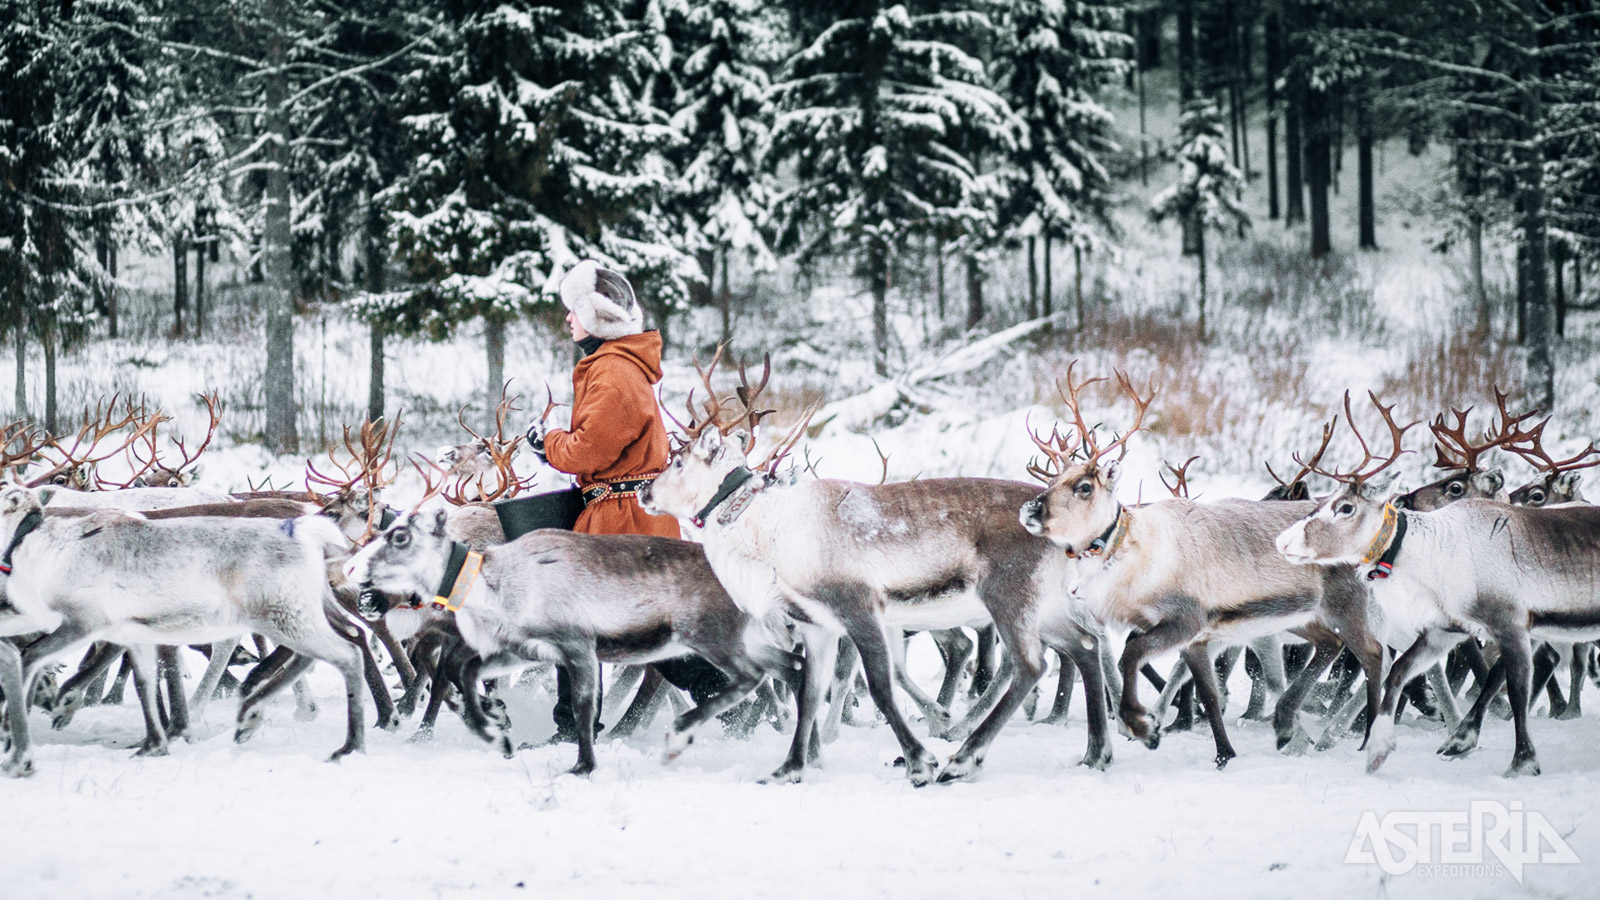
(622, 487)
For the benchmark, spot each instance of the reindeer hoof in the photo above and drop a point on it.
(1223, 758)
(677, 742)
(786, 774)
(1295, 743)
(1569, 712)
(503, 744)
(1377, 755)
(1523, 765)
(248, 723)
(305, 713)
(390, 722)
(959, 768)
(583, 767)
(1459, 744)
(423, 735)
(344, 751)
(1097, 758)
(922, 771)
(17, 768)
(151, 748)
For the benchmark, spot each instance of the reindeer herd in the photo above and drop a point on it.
(1345, 609)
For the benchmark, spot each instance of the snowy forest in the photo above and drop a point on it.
(415, 168)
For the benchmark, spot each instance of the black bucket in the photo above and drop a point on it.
(556, 509)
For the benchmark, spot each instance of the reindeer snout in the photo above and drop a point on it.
(1031, 517)
(643, 495)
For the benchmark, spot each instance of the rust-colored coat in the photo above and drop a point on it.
(616, 433)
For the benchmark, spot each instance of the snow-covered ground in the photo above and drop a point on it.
(453, 819)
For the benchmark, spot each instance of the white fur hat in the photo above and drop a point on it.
(602, 300)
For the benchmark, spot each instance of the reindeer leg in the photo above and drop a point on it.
(983, 663)
(1515, 652)
(1026, 651)
(19, 763)
(388, 716)
(873, 642)
(216, 666)
(1577, 661)
(1437, 680)
(472, 710)
(250, 714)
(844, 673)
(271, 663)
(1464, 739)
(998, 685)
(1180, 689)
(1424, 652)
(1087, 660)
(817, 670)
(1064, 681)
(1545, 661)
(76, 690)
(1205, 685)
(646, 701)
(938, 718)
(424, 656)
(1165, 635)
(402, 662)
(169, 667)
(1286, 713)
(954, 648)
(143, 658)
(114, 696)
(1342, 718)
(743, 680)
(583, 670)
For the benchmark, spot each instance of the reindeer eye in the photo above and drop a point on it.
(400, 537)
(1454, 489)
(59, 479)
(1536, 497)
(1084, 488)
(172, 482)
(1344, 509)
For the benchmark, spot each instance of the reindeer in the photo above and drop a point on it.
(172, 582)
(867, 561)
(578, 600)
(155, 472)
(1558, 480)
(77, 469)
(1494, 571)
(1186, 574)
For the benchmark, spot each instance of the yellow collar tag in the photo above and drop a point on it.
(1380, 541)
(465, 581)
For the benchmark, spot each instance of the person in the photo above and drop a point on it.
(616, 442)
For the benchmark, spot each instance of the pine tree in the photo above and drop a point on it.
(718, 84)
(871, 112)
(1053, 58)
(1208, 188)
(531, 148)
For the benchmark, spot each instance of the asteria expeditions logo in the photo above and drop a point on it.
(1487, 838)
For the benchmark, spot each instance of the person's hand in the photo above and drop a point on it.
(536, 433)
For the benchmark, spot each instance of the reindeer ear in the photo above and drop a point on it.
(14, 498)
(1491, 480)
(437, 522)
(194, 473)
(1566, 484)
(1113, 471)
(446, 455)
(45, 495)
(1379, 487)
(743, 437)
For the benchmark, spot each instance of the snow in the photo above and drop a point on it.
(271, 819)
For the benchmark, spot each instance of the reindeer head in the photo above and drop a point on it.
(1343, 528)
(1457, 454)
(714, 447)
(1079, 502)
(407, 560)
(1559, 480)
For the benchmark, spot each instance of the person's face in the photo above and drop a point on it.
(578, 333)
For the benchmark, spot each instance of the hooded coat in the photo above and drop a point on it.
(616, 433)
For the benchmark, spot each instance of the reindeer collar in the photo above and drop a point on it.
(461, 573)
(731, 483)
(1110, 541)
(29, 522)
(1385, 546)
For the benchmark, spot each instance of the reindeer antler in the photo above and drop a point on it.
(1531, 449)
(1180, 485)
(139, 466)
(1306, 468)
(1361, 473)
(1088, 443)
(1057, 451)
(28, 441)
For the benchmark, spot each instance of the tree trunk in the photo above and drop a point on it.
(1077, 282)
(1317, 163)
(1541, 385)
(1149, 25)
(725, 300)
(878, 272)
(376, 284)
(974, 292)
(1479, 294)
(1033, 278)
(1294, 139)
(111, 289)
(102, 253)
(938, 270)
(1049, 300)
(281, 430)
(19, 340)
(1366, 212)
(180, 283)
(1274, 38)
(1186, 71)
(494, 342)
(1202, 257)
(1558, 277)
(200, 290)
(47, 336)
